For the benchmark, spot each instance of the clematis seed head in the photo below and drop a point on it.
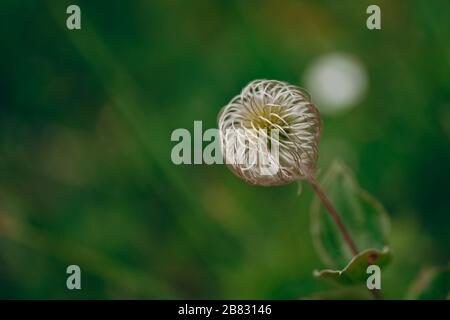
(269, 133)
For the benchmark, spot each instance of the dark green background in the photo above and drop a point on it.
(85, 123)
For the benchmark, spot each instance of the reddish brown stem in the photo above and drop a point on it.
(334, 215)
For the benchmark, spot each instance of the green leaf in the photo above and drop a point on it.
(431, 284)
(356, 271)
(364, 217)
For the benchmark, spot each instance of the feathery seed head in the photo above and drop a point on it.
(269, 133)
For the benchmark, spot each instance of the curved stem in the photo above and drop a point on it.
(334, 215)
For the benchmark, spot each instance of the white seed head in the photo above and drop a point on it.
(269, 133)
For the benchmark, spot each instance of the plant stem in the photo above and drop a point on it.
(334, 215)
(339, 223)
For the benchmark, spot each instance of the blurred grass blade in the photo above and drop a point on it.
(431, 284)
(123, 276)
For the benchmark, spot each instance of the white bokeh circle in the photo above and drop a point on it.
(336, 81)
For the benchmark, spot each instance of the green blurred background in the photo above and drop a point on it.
(85, 122)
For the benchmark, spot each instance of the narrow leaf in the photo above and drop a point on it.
(356, 271)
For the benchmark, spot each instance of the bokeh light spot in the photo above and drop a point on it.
(337, 82)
